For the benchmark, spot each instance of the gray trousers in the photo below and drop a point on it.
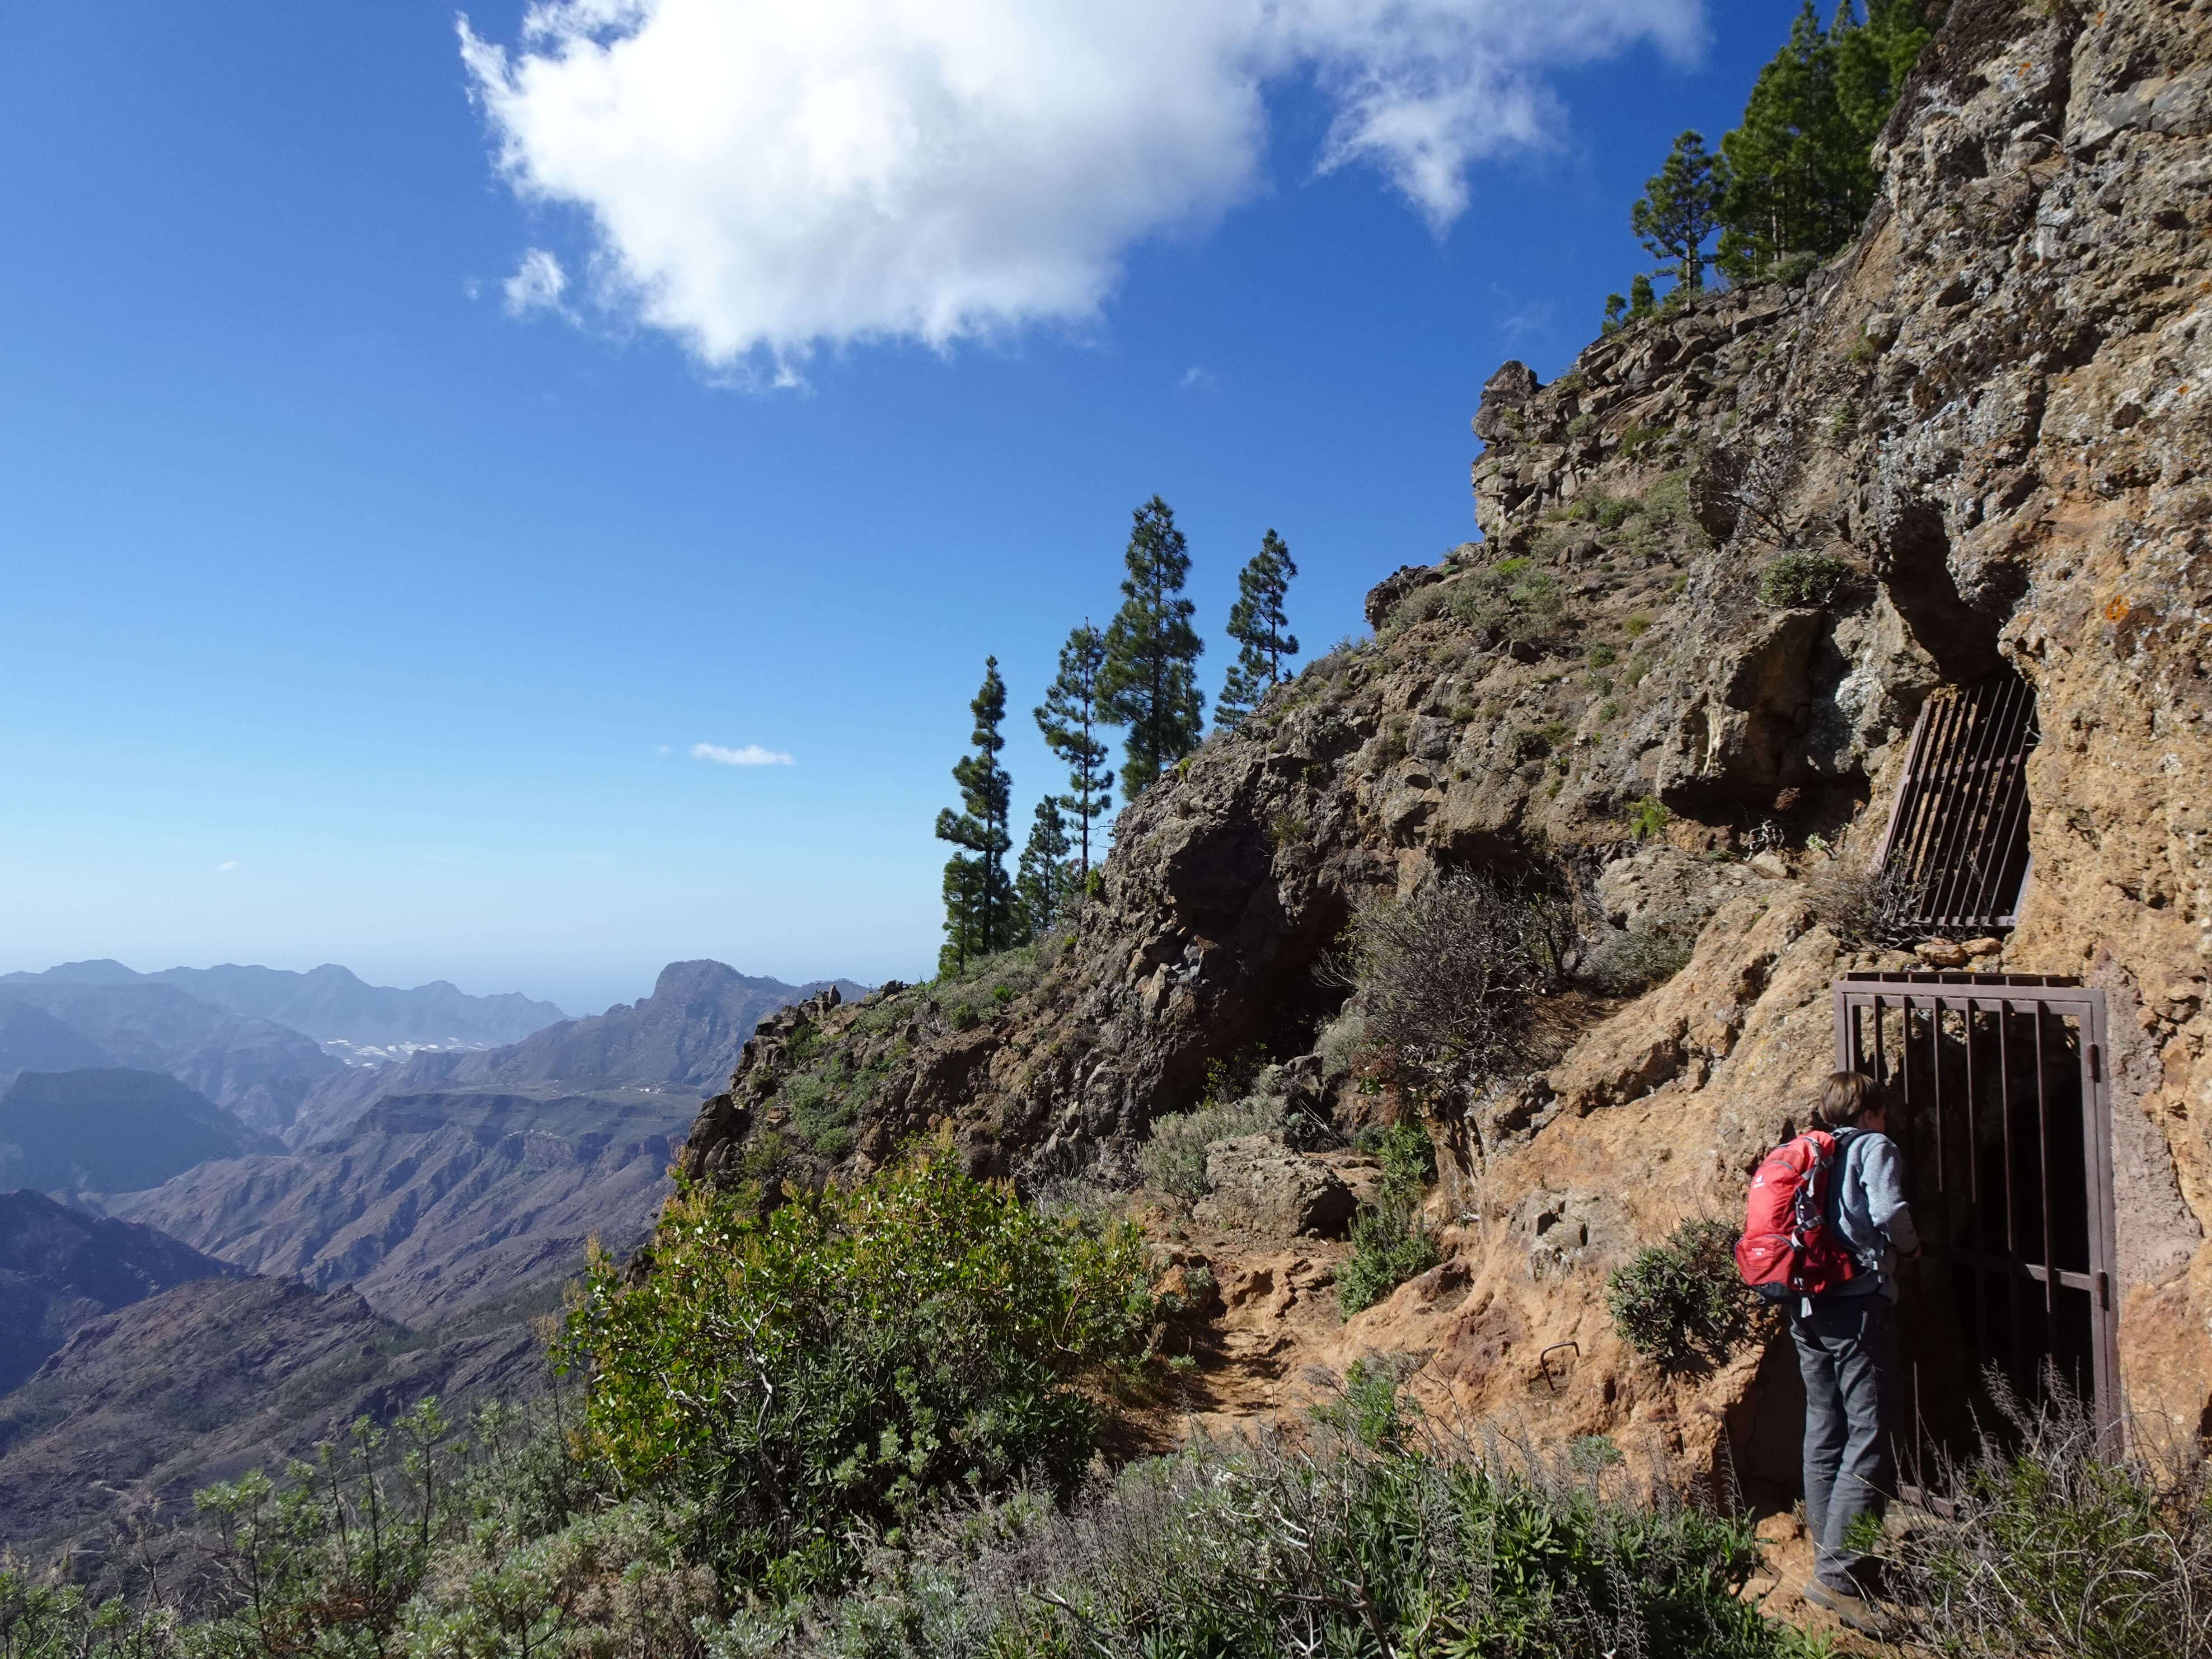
(1847, 1351)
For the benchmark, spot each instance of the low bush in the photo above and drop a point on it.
(1793, 580)
(1174, 1157)
(1389, 1243)
(2055, 1546)
(847, 1361)
(1647, 816)
(1511, 603)
(1634, 959)
(1375, 1534)
(1681, 1304)
(1450, 979)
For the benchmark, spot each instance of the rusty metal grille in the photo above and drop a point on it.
(1999, 1102)
(1956, 858)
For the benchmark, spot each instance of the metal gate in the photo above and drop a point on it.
(1999, 1102)
(1956, 855)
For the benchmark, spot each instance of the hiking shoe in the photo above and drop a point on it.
(1854, 1609)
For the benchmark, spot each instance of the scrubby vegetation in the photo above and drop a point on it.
(1390, 1242)
(1681, 1304)
(1449, 980)
(2057, 1546)
(843, 1363)
(1793, 579)
(1174, 1160)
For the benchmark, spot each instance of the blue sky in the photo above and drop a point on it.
(360, 610)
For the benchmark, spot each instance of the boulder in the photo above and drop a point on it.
(1262, 1186)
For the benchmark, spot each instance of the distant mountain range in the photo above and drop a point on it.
(60, 1268)
(683, 1039)
(331, 1004)
(255, 1067)
(110, 1129)
(457, 1177)
(431, 1206)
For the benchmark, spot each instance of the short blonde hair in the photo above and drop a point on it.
(1847, 1097)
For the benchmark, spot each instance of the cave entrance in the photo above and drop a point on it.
(2000, 1104)
(1954, 858)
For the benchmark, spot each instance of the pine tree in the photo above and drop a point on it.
(1261, 629)
(979, 907)
(1068, 718)
(1679, 208)
(1044, 882)
(1642, 301)
(1800, 170)
(1149, 681)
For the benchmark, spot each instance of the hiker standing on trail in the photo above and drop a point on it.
(1846, 1337)
(1824, 1225)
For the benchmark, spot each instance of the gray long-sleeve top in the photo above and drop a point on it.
(1867, 1193)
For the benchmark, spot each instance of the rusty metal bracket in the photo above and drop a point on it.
(1544, 1362)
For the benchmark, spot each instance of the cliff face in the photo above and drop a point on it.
(1990, 415)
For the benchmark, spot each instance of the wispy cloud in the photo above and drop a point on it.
(750, 755)
(226, 866)
(1199, 377)
(537, 285)
(762, 179)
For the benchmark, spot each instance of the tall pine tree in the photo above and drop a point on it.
(1068, 718)
(1149, 681)
(1800, 169)
(1044, 881)
(1261, 629)
(979, 900)
(1679, 208)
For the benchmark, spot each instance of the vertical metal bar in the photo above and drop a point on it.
(1928, 808)
(1958, 739)
(2014, 1277)
(2000, 788)
(1909, 789)
(2043, 1157)
(1935, 1088)
(1978, 750)
(2015, 821)
(2097, 1123)
(1880, 1072)
(1981, 1279)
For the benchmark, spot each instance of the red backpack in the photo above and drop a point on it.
(1788, 1248)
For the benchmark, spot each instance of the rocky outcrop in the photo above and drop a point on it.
(1979, 436)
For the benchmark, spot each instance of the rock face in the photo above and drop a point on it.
(32, 1040)
(1981, 434)
(60, 1268)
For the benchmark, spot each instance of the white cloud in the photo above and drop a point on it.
(537, 285)
(763, 178)
(226, 866)
(1199, 377)
(751, 755)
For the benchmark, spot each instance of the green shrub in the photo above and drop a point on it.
(1683, 1304)
(1377, 1535)
(1174, 1157)
(1647, 816)
(1601, 656)
(1637, 626)
(2058, 1546)
(1389, 1243)
(1797, 579)
(1651, 953)
(853, 1357)
(1513, 602)
(1610, 710)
